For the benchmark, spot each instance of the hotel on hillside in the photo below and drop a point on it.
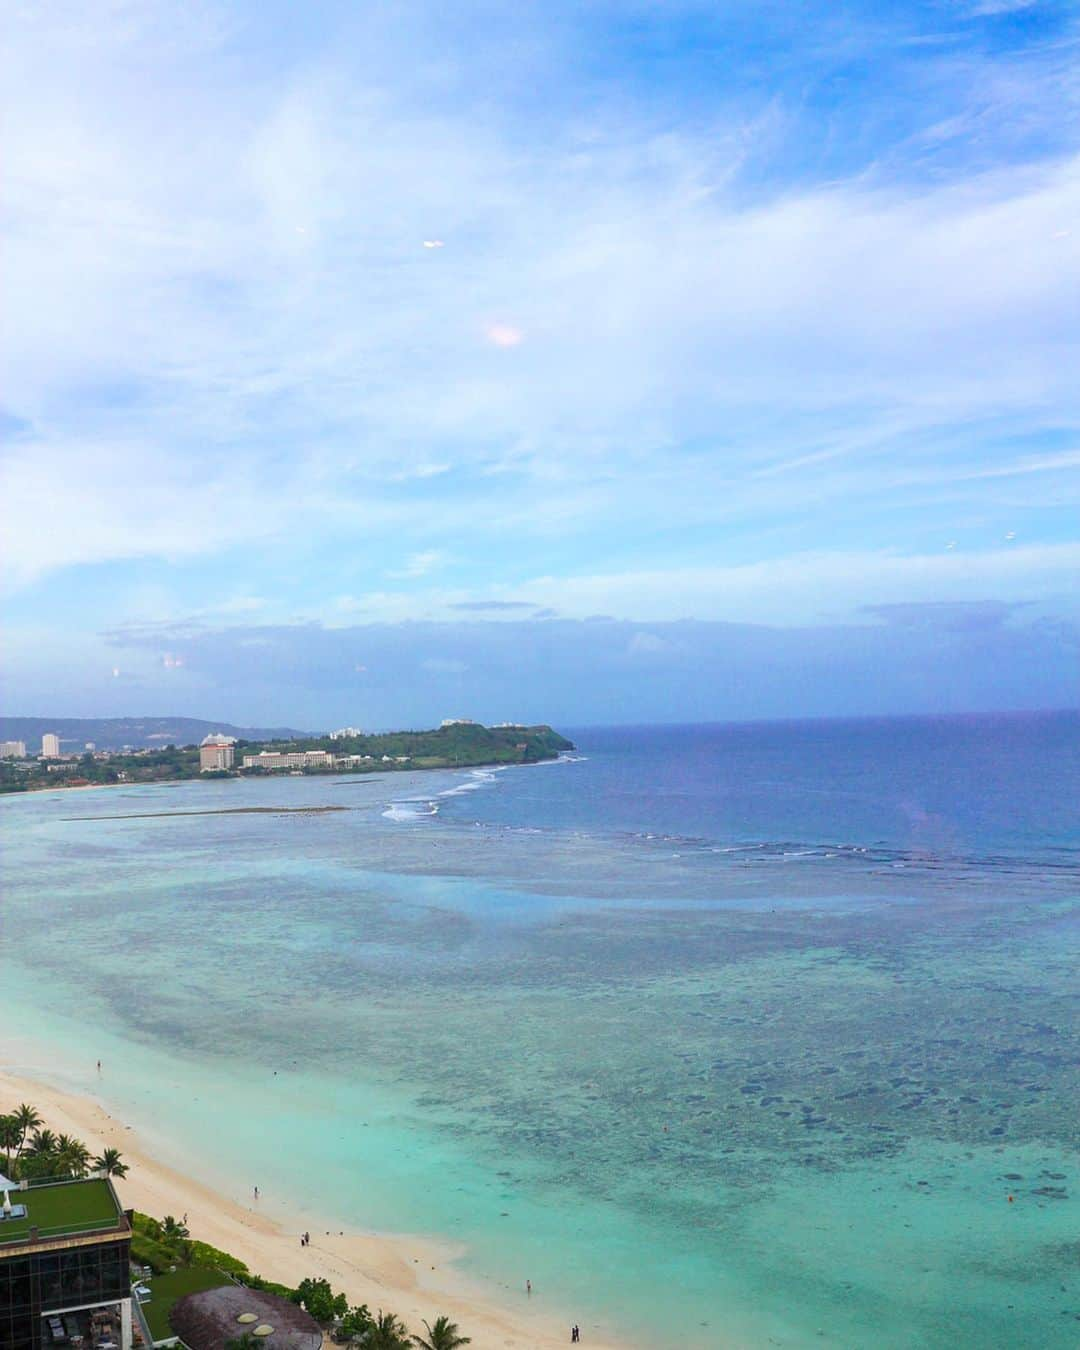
(65, 1277)
(216, 753)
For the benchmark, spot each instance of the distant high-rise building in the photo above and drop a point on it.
(90, 745)
(50, 745)
(12, 749)
(216, 753)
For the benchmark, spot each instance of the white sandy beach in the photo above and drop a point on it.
(415, 1277)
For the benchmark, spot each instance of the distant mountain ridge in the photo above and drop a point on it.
(112, 733)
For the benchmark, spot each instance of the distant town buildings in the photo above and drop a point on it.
(12, 749)
(216, 753)
(343, 732)
(457, 722)
(50, 745)
(290, 759)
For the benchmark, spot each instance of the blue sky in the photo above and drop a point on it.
(597, 362)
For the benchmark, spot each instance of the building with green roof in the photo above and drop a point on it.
(65, 1267)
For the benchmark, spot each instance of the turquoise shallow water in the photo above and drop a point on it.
(698, 1086)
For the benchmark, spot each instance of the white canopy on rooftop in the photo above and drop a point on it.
(6, 1185)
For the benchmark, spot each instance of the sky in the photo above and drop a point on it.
(372, 363)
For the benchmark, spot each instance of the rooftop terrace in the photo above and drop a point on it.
(63, 1209)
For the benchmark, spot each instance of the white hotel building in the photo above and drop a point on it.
(290, 759)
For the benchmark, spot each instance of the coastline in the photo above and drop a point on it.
(366, 775)
(413, 1276)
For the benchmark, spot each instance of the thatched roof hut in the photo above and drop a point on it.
(205, 1321)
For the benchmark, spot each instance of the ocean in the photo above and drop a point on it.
(717, 1034)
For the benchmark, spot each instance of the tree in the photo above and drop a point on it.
(109, 1162)
(320, 1301)
(10, 1134)
(172, 1228)
(28, 1120)
(43, 1143)
(356, 1323)
(72, 1160)
(388, 1332)
(442, 1336)
(70, 1157)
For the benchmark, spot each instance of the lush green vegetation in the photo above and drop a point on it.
(173, 1285)
(33, 1152)
(458, 746)
(147, 766)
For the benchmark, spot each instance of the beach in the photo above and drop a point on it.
(412, 1276)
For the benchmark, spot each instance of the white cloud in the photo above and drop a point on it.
(793, 591)
(989, 8)
(227, 333)
(419, 565)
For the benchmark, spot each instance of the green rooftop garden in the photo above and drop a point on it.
(64, 1209)
(170, 1287)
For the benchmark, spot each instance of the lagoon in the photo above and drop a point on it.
(715, 1034)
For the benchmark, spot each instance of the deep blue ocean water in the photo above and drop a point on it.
(719, 1034)
(1007, 784)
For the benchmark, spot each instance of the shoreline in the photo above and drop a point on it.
(269, 775)
(413, 1276)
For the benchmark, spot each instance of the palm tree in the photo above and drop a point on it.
(10, 1134)
(72, 1157)
(109, 1162)
(173, 1228)
(388, 1333)
(42, 1143)
(442, 1336)
(28, 1120)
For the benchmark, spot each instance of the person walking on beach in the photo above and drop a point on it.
(256, 1192)
(575, 1333)
(528, 1287)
